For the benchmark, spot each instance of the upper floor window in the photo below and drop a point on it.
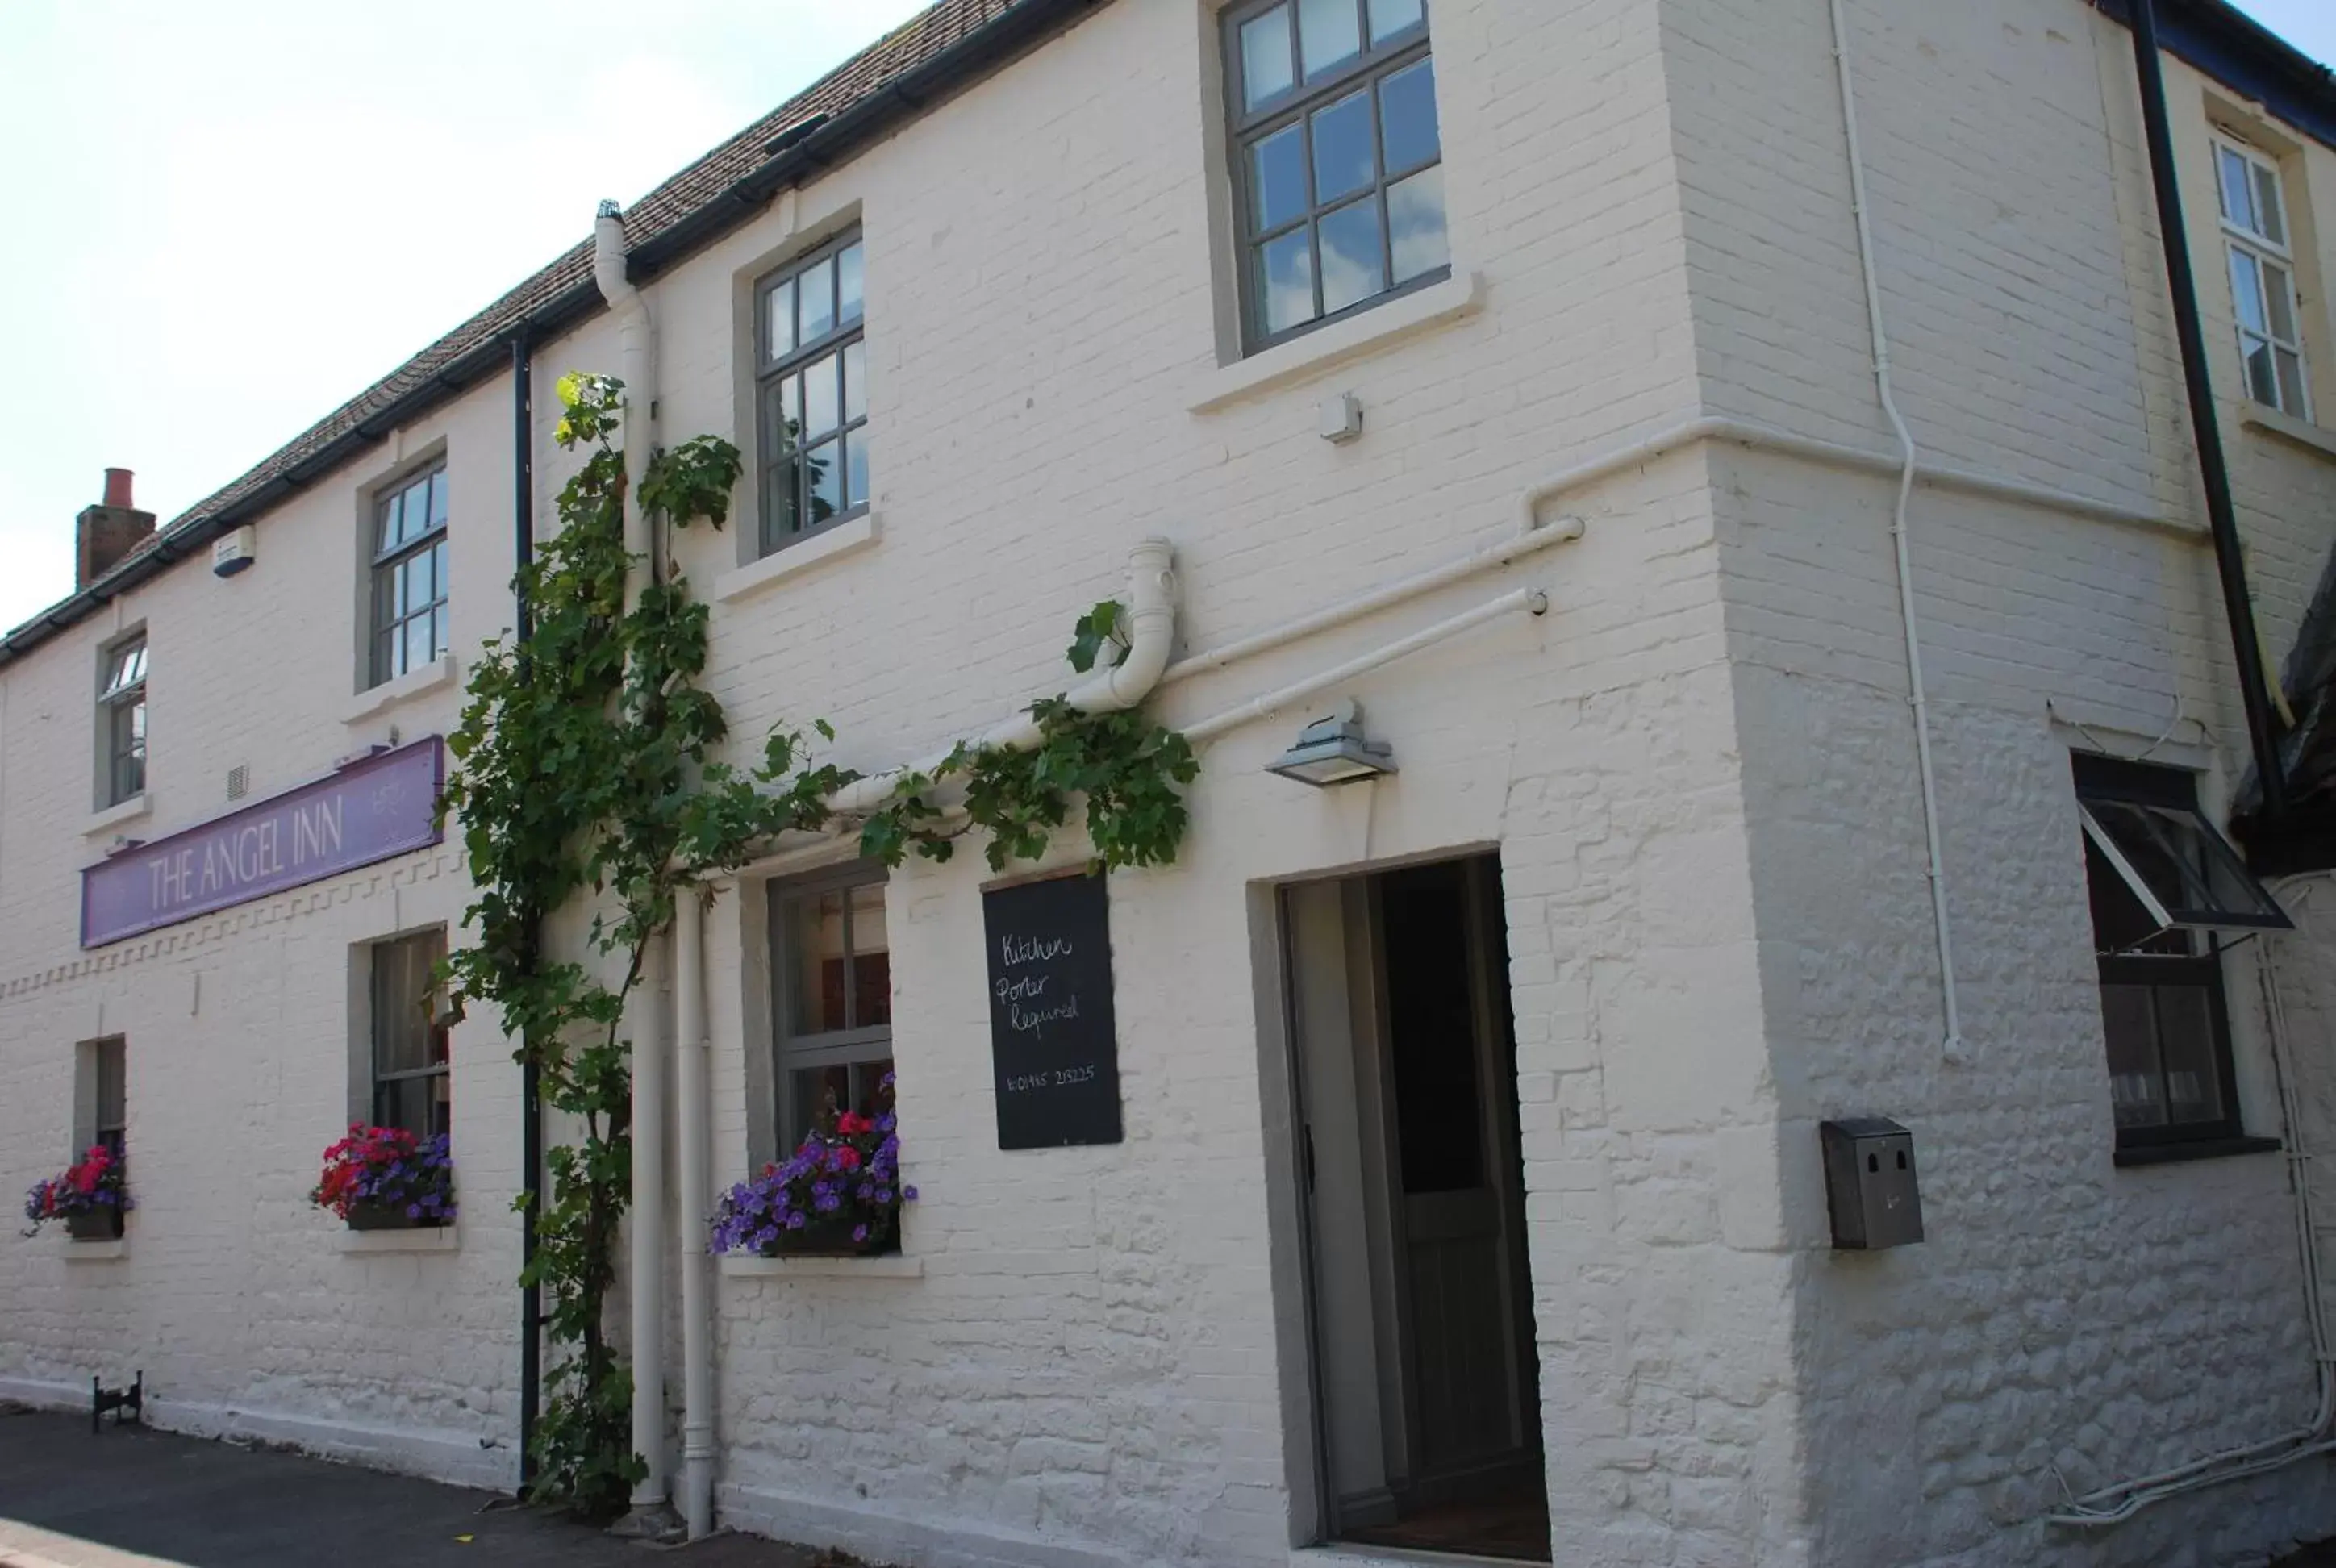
(2255, 232)
(1337, 161)
(410, 628)
(2162, 882)
(122, 718)
(411, 1082)
(812, 380)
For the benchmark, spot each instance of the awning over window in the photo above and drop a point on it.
(2185, 874)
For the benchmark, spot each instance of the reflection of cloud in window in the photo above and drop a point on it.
(1290, 283)
(1415, 212)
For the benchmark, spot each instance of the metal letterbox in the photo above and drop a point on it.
(1869, 1163)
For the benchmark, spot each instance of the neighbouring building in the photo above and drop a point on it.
(1467, 1184)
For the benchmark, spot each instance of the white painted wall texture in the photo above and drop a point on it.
(1698, 769)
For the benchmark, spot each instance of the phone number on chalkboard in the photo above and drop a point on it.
(1054, 1080)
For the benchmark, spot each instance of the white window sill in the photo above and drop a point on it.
(74, 1252)
(889, 1266)
(2287, 427)
(421, 1239)
(1456, 299)
(114, 816)
(847, 538)
(404, 688)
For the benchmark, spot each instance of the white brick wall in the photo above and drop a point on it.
(1698, 769)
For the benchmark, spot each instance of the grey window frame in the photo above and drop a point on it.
(771, 372)
(123, 713)
(381, 1005)
(855, 1044)
(2181, 955)
(387, 632)
(1247, 127)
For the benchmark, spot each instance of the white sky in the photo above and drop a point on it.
(242, 212)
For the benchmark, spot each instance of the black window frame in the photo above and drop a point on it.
(2169, 960)
(121, 709)
(857, 1047)
(387, 624)
(384, 1086)
(1248, 127)
(776, 452)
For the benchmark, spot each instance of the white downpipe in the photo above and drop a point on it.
(1152, 629)
(637, 343)
(2116, 1503)
(1529, 599)
(1952, 1045)
(692, 1182)
(648, 1224)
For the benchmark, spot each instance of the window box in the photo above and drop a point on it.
(368, 1215)
(103, 1225)
(832, 1239)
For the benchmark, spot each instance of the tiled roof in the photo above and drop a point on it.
(676, 213)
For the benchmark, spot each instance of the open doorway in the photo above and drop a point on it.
(1426, 1383)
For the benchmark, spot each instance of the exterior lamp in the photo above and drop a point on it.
(1332, 750)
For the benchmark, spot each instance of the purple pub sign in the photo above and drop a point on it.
(381, 806)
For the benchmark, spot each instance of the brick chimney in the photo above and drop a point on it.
(107, 531)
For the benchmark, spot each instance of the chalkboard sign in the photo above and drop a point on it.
(1051, 1037)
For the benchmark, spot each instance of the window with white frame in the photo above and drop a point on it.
(411, 1079)
(411, 627)
(833, 1009)
(812, 385)
(121, 720)
(2257, 237)
(1338, 159)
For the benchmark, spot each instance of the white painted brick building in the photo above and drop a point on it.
(1698, 771)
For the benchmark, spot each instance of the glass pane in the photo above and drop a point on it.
(855, 468)
(1390, 17)
(404, 1103)
(2186, 863)
(814, 1092)
(820, 400)
(418, 651)
(791, 412)
(417, 509)
(779, 318)
(817, 288)
(1277, 178)
(421, 588)
(2263, 376)
(1407, 118)
(1286, 281)
(386, 536)
(2137, 1085)
(440, 632)
(871, 959)
(1266, 71)
(1329, 32)
(826, 478)
(438, 499)
(2270, 221)
(815, 934)
(2279, 299)
(2290, 382)
(850, 284)
(1353, 267)
(394, 597)
(1416, 225)
(2185, 1036)
(438, 569)
(1342, 148)
(2246, 291)
(2238, 197)
(404, 996)
(855, 382)
(111, 1095)
(779, 483)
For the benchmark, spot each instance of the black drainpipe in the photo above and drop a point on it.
(2246, 647)
(530, 1084)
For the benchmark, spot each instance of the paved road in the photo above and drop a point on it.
(206, 1505)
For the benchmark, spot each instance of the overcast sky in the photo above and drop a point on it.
(225, 218)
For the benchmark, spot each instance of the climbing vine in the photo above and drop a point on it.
(582, 768)
(584, 771)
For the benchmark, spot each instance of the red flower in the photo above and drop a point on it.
(851, 1123)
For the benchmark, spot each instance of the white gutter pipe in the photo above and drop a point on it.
(1151, 628)
(1952, 1045)
(650, 1513)
(692, 1182)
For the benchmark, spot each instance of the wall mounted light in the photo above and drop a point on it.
(1333, 750)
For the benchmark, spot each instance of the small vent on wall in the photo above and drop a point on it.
(238, 781)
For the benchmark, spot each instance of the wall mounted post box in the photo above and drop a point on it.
(1869, 1165)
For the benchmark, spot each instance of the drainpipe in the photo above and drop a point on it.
(2238, 607)
(531, 1078)
(651, 1516)
(692, 1182)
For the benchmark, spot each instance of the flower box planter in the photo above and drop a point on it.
(371, 1216)
(100, 1225)
(832, 1239)
(387, 1179)
(838, 1195)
